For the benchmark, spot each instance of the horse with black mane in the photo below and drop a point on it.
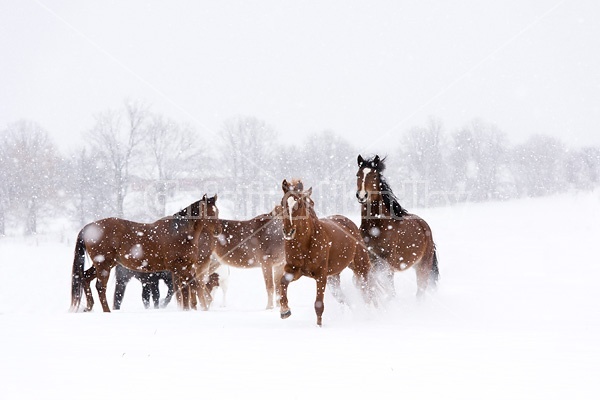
(319, 248)
(171, 244)
(391, 233)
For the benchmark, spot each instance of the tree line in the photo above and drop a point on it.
(135, 161)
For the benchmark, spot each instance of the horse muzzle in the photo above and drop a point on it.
(289, 235)
(361, 200)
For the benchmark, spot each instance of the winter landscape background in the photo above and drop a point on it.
(488, 115)
(515, 316)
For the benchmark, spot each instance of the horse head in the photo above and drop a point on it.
(296, 206)
(209, 213)
(368, 185)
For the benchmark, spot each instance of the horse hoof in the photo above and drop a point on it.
(286, 314)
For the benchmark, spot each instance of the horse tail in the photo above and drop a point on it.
(77, 274)
(435, 271)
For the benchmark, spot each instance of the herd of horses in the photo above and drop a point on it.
(185, 249)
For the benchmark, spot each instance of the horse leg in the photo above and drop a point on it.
(319, 305)
(178, 287)
(167, 277)
(290, 275)
(185, 291)
(423, 275)
(336, 289)
(185, 295)
(278, 272)
(88, 277)
(203, 294)
(146, 289)
(389, 277)
(364, 275)
(194, 294)
(267, 271)
(120, 286)
(154, 289)
(102, 275)
(201, 271)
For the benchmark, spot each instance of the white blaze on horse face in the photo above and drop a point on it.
(291, 202)
(363, 192)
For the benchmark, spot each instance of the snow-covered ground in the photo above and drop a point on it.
(515, 317)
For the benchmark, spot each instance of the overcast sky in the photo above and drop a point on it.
(366, 70)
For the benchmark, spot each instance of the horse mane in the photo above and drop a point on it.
(375, 163)
(389, 198)
(193, 210)
(189, 214)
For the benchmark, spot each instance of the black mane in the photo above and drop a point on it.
(193, 210)
(375, 163)
(389, 198)
(184, 218)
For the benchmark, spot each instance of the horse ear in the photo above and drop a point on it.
(204, 197)
(360, 160)
(309, 191)
(285, 186)
(376, 161)
(215, 198)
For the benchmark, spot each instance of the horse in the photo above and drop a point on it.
(171, 243)
(150, 284)
(319, 248)
(149, 281)
(254, 243)
(393, 235)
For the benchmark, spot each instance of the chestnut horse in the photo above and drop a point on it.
(171, 244)
(392, 234)
(254, 243)
(319, 248)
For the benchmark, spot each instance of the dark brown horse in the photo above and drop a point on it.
(150, 286)
(319, 248)
(392, 234)
(171, 244)
(254, 243)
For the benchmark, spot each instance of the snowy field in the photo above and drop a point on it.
(516, 316)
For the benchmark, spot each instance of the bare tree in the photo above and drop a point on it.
(328, 164)
(176, 152)
(247, 152)
(88, 186)
(422, 153)
(30, 170)
(539, 166)
(480, 161)
(115, 137)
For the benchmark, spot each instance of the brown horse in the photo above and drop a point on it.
(254, 243)
(319, 248)
(170, 244)
(392, 235)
